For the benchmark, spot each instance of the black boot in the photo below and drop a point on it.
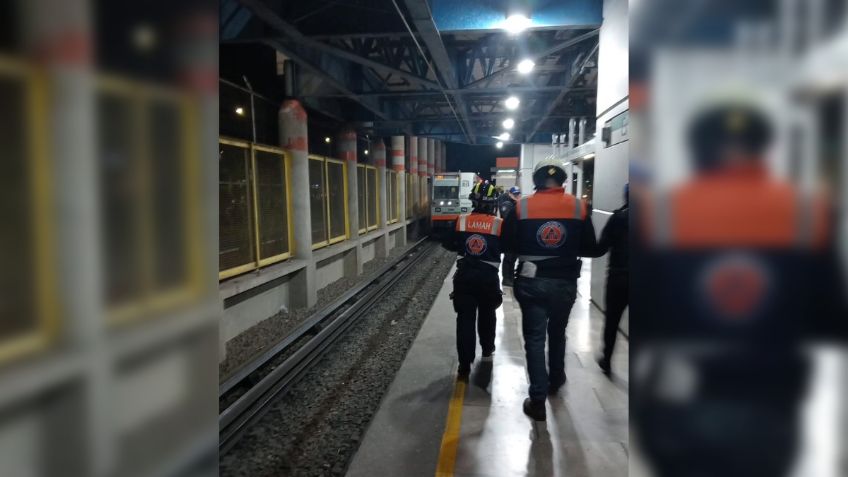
(463, 371)
(605, 366)
(535, 409)
(555, 384)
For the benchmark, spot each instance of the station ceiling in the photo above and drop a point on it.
(440, 69)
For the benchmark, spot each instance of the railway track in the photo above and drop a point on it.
(247, 394)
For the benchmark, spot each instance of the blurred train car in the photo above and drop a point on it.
(450, 198)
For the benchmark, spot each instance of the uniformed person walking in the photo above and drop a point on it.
(738, 276)
(548, 230)
(476, 290)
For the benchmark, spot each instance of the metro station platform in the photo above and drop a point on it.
(431, 424)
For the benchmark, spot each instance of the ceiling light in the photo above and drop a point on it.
(504, 136)
(144, 37)
(512, 103)
(508, 123)
(526, 66)
(499, 144)
(327, 139)
(240, 111)
(516, 23)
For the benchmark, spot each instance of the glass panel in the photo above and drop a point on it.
(390, 196)
(446, 192)
(234, 210)
(361, 197)
(17, 311)
(372, 197)
(422, 193)
(394, 196)
(121, 187)
(317, 202)
(167, 157)
(409, 198)
(336, 175)
(273, 209)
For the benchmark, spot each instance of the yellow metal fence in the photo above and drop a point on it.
(254, 213)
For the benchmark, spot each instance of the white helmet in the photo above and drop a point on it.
(549, 168)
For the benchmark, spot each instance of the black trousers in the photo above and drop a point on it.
(508, 267)
(617, 298)
(476, 295)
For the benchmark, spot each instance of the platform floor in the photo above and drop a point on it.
(487, 434)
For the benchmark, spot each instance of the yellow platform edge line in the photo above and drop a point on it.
(450, 439)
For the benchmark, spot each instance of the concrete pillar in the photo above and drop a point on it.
(72, 153)
(422, 176)
(572, 126)
(303, 291)
(581, 132)
(347, 151)
(431, 157)
(444, 157)
(431, 169)
(398, 154)
(437, 157)
(413, 171)
(382, 245)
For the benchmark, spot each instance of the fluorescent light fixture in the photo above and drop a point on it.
(240, 111)
(499, 144)
(508, 123)
(504, 136)
(526, 66)
(512, 103)
(327, 139)
(516, 23)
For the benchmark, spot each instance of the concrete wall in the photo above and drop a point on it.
(368, 251)
(330, 270)
(611, 163)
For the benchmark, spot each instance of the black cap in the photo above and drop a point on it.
(542, 174)
(739, 126)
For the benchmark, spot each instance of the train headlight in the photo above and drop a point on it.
(441, 202)
(450, 203)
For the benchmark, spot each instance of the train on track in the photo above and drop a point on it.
(450, 199)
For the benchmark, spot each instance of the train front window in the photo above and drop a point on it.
(446, 192)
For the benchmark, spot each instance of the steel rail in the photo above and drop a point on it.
(252, 405)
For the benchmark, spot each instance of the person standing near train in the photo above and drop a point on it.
(549, 230)
(476, 290)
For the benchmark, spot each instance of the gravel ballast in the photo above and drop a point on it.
(267, 333)
(315, 429)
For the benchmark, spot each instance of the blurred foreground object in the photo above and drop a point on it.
(108, 334)
(739, 190)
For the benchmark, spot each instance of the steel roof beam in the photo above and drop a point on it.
(266, 14)
(404, 95)
(329, 79)
(426, 27)
(536, 57)
(553, 104)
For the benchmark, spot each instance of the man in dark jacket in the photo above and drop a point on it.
(614, 239)
(506, 204)
(549, 231)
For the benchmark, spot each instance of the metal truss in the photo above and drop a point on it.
(423, 82)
